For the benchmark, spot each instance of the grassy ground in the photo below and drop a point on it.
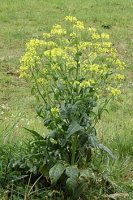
(22, 20)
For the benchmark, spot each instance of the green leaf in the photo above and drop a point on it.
(44, 170)
(93, 140)
(17, 178)
(72, 172)
(35, 134)
(106, 149)
(87, 174)
(55, 172)
(39, 112)
(74, 128)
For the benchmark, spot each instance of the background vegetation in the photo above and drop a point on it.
(22, 20)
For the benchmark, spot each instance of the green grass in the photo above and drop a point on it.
(22, 20)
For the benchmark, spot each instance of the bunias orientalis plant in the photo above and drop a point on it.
(75, 72)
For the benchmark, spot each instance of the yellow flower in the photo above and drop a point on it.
(54, 53)
(105, 36)
(76, 83)
(70, 18)
(55, 67)
(23, 68)
(79, 25)
(113, 91)
(24, 75)
(60, 52)
(72, 50)
(50, 44)
(83, 45)
(97, 44)
(57, 52)
(45, 71)
(113, 52)
(57, 30)
(91, 30)
(46, 35)
(40, 80)
(107, 44)
(65, 41)
(119, 76)
(103, 70)
(54, 110)
(73, 35)
(95, 36)
(70, 62)
(34, 43)
(120, 65)
(85, 67)
(86, 83)
(94, 67)
(30, 58)
(102, 50)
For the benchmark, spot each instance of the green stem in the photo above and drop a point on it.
(77, 60)
(74, 147)
(37, 87)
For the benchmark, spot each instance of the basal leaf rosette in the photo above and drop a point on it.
(72, 62)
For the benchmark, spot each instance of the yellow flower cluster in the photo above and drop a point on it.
(69, 54)
(94, 67)
(76, 83)
(73, 35)
(46, 35)
(99, 69)
(113, 91)
(92, 30)
(54, 53)
(84, 45)
(71, 50)
(34, 43)
(120, 65)
(58, 30)
(50, 44)
(79, 25)
(119, 76)
(86, 83)
(70, 18)
(24, 74)
(107, 44)
(55, 67)
(105, 36)
(117, 62)
(95, 36)
(45, 71)
(29, 60)
(54, 110)
(40, 80)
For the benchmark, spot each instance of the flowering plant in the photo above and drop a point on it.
(75, 71)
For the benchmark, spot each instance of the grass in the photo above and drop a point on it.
(22, 20)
